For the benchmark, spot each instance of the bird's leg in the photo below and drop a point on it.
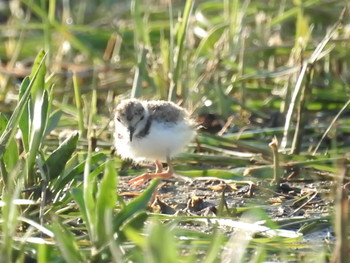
(159, 166)
(158, 174)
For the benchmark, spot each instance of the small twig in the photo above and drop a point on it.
(226, 126)
(331, 125)
(304, 204)
(276, 163)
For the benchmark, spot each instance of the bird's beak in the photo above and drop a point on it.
(131, 132)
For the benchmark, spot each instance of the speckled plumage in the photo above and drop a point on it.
(151, 130)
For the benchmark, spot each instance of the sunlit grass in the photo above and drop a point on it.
(264, 69)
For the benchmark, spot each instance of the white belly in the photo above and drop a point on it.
(162, 141)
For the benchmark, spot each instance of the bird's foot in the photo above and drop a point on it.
(148, 176)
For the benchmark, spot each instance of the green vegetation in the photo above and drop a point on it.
(274, 74)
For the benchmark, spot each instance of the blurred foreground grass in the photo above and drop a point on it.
(251, 70)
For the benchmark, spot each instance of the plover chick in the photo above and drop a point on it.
(151, 131)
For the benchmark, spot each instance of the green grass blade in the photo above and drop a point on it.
(43, 253)
(39, 82)
(140, 73)
(106, 199)
(180, 44)
(24, 121)
(135, 206)
(207, 44)
(140, 27)
(167, 252)
(215, 247)
(77, 171)
(37, 130)
(136, 223)
(287, 15)
(16, 115)
(78, 196)
(10, 214)
(223, 174)
(212, 159)
(66, 243)
(106, 196)
(11, 154)
(40, 109)
(58, 159)
(79, 104)
(52, 122)
(89, 198)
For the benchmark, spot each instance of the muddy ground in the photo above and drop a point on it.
(293, 204)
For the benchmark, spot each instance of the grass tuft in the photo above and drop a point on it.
(267, 81)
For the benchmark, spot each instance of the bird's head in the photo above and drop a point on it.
(131, 115)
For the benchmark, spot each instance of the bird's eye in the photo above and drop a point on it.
(142, 117)
(118, 119)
